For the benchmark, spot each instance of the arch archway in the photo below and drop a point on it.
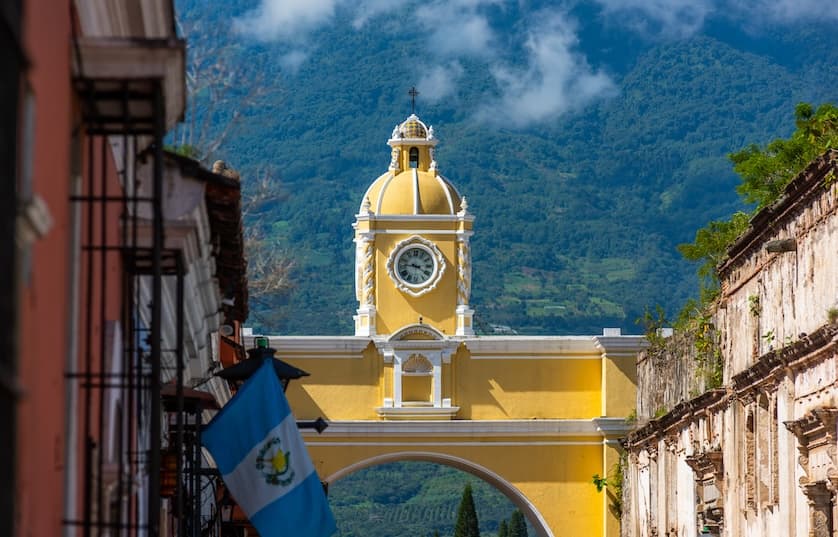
(507, 489)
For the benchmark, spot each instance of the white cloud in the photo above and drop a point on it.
(557, 78)
(439, 81)
(786, 11)
(660, 18)
(291, 61)
(285, 20)
(457, 27)
(368, 9)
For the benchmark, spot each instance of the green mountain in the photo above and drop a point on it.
(578, 213)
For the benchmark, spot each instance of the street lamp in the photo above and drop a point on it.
(255, 357)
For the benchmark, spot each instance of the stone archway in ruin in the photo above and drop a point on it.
(505, 487)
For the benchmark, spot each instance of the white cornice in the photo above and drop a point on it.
(597, 427)
(417, 413)
(110, 58)
(620, 346)
(519, 347)
(453, 218)
(317, 346)
(118, 18)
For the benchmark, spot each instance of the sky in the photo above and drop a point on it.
(555, 77)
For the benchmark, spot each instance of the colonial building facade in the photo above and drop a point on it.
(535, 416)
(756, 456)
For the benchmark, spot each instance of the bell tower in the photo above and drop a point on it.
(412, 256)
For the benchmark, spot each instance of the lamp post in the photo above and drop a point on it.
(255, 357)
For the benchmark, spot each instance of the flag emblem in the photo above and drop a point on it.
(274, 464)
(258, 450)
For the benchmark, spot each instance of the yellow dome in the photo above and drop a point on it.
(412, 192)
(412, 129)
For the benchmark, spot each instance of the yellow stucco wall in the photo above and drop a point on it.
(555, 478)
(523, 388)
(396, 309)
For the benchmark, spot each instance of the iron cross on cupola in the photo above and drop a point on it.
(413, 93)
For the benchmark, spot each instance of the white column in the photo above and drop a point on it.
(397, 381)
(438, 381)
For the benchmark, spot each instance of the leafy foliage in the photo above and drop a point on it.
(765, 172)
(710, 248)
(467, 525)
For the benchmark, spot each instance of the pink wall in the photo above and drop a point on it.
(43, 291)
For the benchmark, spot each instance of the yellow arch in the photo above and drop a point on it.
(505, 487)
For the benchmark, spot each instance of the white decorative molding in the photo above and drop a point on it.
(439, 266)
(395, 165)
(365, 321)
(417, 364)
(465, 321)
(597, 428)
(413, 329)
(463, 212)
(414, 413)
(463, 271)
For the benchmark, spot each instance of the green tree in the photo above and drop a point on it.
(517, 524)
(503, 529)
(467, 525)
(765, 173)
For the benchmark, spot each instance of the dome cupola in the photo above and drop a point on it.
(412, 253)
(413, 184)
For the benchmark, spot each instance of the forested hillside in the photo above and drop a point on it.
(412, 498)
(578, 214)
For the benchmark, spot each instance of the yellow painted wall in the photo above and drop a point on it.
(619, 385)
(396, 309)
(526, 388)
(555, 478)
(338, 388)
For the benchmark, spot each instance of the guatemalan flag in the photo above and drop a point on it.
(261, 456)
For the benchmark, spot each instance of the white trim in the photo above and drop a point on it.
(453, 218)
(415, 191)
(596, 427)
(445, 188)
(381, 191)
(417, 231)
(325, 346)
(458, 444)
(415, 241)
(414, 413)
(534, 357)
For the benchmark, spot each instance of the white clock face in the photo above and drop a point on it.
(415, 266)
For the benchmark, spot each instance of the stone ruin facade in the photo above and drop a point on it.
(758, 455)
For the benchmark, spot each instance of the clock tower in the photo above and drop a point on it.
(412, 256)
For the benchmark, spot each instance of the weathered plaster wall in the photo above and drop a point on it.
(757, 457)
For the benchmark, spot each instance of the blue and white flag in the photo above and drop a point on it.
(264, 463)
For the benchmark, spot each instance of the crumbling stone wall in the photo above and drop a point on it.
(669, 373)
